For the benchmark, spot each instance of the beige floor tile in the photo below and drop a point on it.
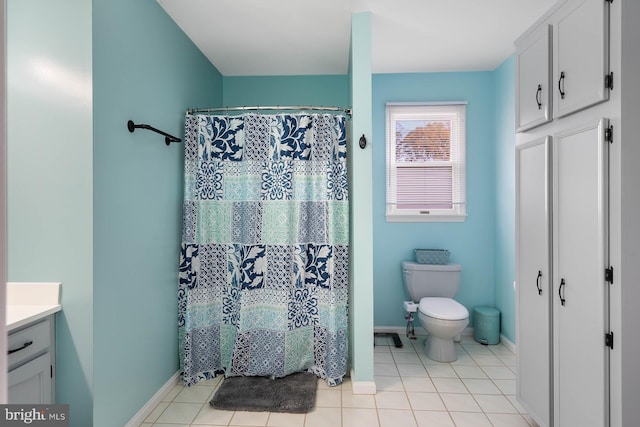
(389, 383)
(195, 394)
(459, 402)
(464, 359)
(476, 386)
(157, 411)
(173, 393)
(426, 402)
(358, 417)
(433, 419)
(328, 398)
(413, 391)
(246, 418)
(383, 358)
(496, 404)
(395, 418)
(507, 420)
(500, 349)
(350, 400)
(508, 359)
(411, 384)
(392, 400)
(408, 357)
(441, 371)
(285, 420)
(170, 425)
(449, 385)
(324, 417)
(487, 360)
(411, 370)
(211, 416)
(381, 349)
(476, 348)
(468, 371)
(499, 373)
(507, 387)
(180, 413)
(386, 369)
(470, 419)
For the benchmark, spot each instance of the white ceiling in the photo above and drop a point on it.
(301, 37)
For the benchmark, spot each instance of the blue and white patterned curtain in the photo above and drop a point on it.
(263, 286)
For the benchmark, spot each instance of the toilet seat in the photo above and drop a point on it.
(443, 308)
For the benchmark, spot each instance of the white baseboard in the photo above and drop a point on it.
(362, 387)
(401, 330)
(154, 401)
(507, 343)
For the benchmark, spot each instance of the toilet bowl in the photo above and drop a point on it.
(434, 287)
(443, 319)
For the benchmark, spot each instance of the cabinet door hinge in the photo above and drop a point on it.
(51, 369)
(608, 81)
(608, 340)
(608, 275)
(608, 134)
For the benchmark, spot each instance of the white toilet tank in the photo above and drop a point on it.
(431, 280)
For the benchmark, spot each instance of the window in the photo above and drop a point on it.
(426, 162)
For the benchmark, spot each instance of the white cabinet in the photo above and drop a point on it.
(581, 300)
(581, 56)
(31, 382)
(562, 66)
(533, 276)
(562, 312)
(31, 362)
(533, 77)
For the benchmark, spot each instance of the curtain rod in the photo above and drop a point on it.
(167, 138)
(347, 111)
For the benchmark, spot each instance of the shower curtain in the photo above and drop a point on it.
(263, 284)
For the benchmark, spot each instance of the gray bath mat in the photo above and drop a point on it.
(294, 393)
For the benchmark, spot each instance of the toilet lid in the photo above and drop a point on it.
(443, 308)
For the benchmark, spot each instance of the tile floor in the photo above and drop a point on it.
(413, 391)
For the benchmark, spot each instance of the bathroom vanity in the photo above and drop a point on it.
(31, 309)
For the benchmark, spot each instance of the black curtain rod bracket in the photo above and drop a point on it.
(168, 139)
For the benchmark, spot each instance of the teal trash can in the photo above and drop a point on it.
(486, 325)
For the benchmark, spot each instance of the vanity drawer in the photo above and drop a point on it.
(29, 342)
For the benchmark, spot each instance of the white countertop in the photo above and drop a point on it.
(28, 302)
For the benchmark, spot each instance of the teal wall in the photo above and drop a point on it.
(147, 70)
(330, 90)
(360, 193)
(92, 205)
(505, 190)
(471, 242)
(49, 162)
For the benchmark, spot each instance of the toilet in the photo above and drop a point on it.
(433, 287)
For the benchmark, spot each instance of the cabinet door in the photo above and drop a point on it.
(31, 382)
(581, 57)
(581, 294)
(533, 75)
(533, 275)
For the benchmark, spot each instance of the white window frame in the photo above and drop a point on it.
(454, 111)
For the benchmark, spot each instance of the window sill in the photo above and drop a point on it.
(425, 218)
